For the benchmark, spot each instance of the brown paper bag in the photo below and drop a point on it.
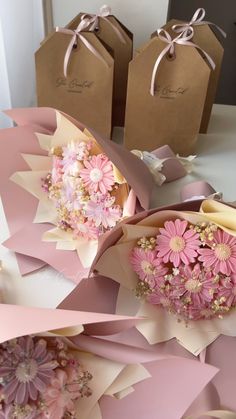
(207, 40)
(87, 90)
(173, 115)
(122, 47)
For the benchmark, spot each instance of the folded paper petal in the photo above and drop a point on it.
(32, 320)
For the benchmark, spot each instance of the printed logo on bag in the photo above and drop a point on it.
(74, 85)
(167, 92)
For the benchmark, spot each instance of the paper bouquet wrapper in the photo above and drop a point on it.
(110, 290)
(22, 149)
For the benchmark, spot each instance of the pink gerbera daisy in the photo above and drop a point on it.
(101, 211)
(228, 290)
(98, 174)
(196, 285)
(222, 255)
(160, 294)
(85, 229)
(176, 243)
(26, 367)
(147, 266)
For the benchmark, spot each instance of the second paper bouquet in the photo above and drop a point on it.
(177, 268)
(84, 184)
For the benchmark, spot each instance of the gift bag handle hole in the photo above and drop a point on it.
(170, 57)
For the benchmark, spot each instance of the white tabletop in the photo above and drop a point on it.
(215, 163)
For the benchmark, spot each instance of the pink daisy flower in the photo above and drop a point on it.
(160, 295)
(147, 266)
(74, 152)
(58, 397)
(66, 388)
(101, 211)
(176, 243)
(26, 367)
(228, 290)
(195, 285)
(222, 256)
(85, 229)
(98, 174)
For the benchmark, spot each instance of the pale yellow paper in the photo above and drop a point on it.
(31, 182)
(104, 373)
(120, 269)
(87, 250)
(44, 141)
(129, 376)
(38, 162)
(46, 212)
(95, 412)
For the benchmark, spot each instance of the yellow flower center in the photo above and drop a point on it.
(147, 267)
(222, 251)
(193, 285)
(177, 244)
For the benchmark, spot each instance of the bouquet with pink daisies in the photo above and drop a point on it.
(79, 183)
(50, 370)
(188, 269)
(176, 267)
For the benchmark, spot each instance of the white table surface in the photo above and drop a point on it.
(215, 163)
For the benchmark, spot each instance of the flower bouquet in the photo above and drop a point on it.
(176, 268)
(45, 373)
(83, 185)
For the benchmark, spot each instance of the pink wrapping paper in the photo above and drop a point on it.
(20, 207)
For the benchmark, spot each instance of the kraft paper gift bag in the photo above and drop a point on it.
(74, 72)
(167, 86)
(115, 35)
(203, 36)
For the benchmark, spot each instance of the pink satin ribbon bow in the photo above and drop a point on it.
(76, 35)
(196, 20)
(103, 13)
(182, 39)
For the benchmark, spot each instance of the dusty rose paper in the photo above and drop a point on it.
(20, 207)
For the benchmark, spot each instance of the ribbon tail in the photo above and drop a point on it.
(155, 68)
(68, 54)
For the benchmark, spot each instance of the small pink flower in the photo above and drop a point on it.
(228, 290)
(177, 244)
(146, 265)
(222, 256)
(98, 174)
(160, 295)
(101, 211)
(85, 229)
(73, 153)
(61, 395)
(195, 285)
